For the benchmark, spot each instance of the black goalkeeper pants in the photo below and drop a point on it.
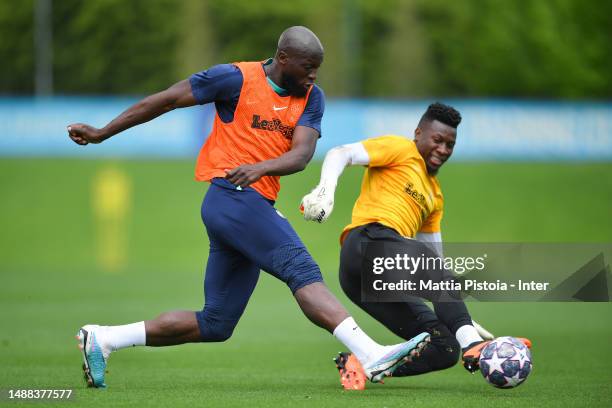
(405, 319)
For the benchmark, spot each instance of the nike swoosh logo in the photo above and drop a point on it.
(281, 108)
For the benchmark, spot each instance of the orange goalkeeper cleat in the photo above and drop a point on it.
(352, 375)
(525, 341)
(471, 354)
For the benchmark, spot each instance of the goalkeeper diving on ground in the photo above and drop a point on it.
(400, 203)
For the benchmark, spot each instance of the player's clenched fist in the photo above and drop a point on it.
(318, 205)
(84, 134)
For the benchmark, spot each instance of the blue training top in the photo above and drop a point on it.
(222, 84)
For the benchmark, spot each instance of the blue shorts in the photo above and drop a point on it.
(246, 234)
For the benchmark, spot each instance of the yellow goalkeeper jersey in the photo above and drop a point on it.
(396, 190)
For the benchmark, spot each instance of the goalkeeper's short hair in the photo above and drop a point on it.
(442, 113)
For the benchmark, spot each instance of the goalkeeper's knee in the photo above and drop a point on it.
(441, 353)
(447, 348)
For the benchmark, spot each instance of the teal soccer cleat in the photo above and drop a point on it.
(94, 355)
(396, 356)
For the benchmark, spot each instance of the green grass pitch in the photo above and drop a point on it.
(52, 283)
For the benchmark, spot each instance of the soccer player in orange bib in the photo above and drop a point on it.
(267, 125)
(401, 203)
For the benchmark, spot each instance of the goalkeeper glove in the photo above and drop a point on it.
(318, 205)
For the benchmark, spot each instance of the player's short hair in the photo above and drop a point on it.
(442, 113)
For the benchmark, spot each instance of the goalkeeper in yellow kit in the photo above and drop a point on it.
(400, 203)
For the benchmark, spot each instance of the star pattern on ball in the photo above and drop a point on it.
(522, 356)
(513, 381)
(495, 363)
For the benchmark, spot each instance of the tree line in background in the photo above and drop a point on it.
(374, 48)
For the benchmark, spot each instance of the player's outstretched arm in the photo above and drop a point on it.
(303, 146)
(318, 205)
(178, 95)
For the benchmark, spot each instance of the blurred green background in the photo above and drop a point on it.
(375, 48)
(50, 210)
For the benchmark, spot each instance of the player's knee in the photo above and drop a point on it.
(214, 330)
(218, 333)
(448, 352)
(442, 353)
(447, 358)
(293, 265)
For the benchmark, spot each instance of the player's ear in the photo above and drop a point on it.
(282, 57)
(417, 133)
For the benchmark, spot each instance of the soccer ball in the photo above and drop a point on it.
(505, 362)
